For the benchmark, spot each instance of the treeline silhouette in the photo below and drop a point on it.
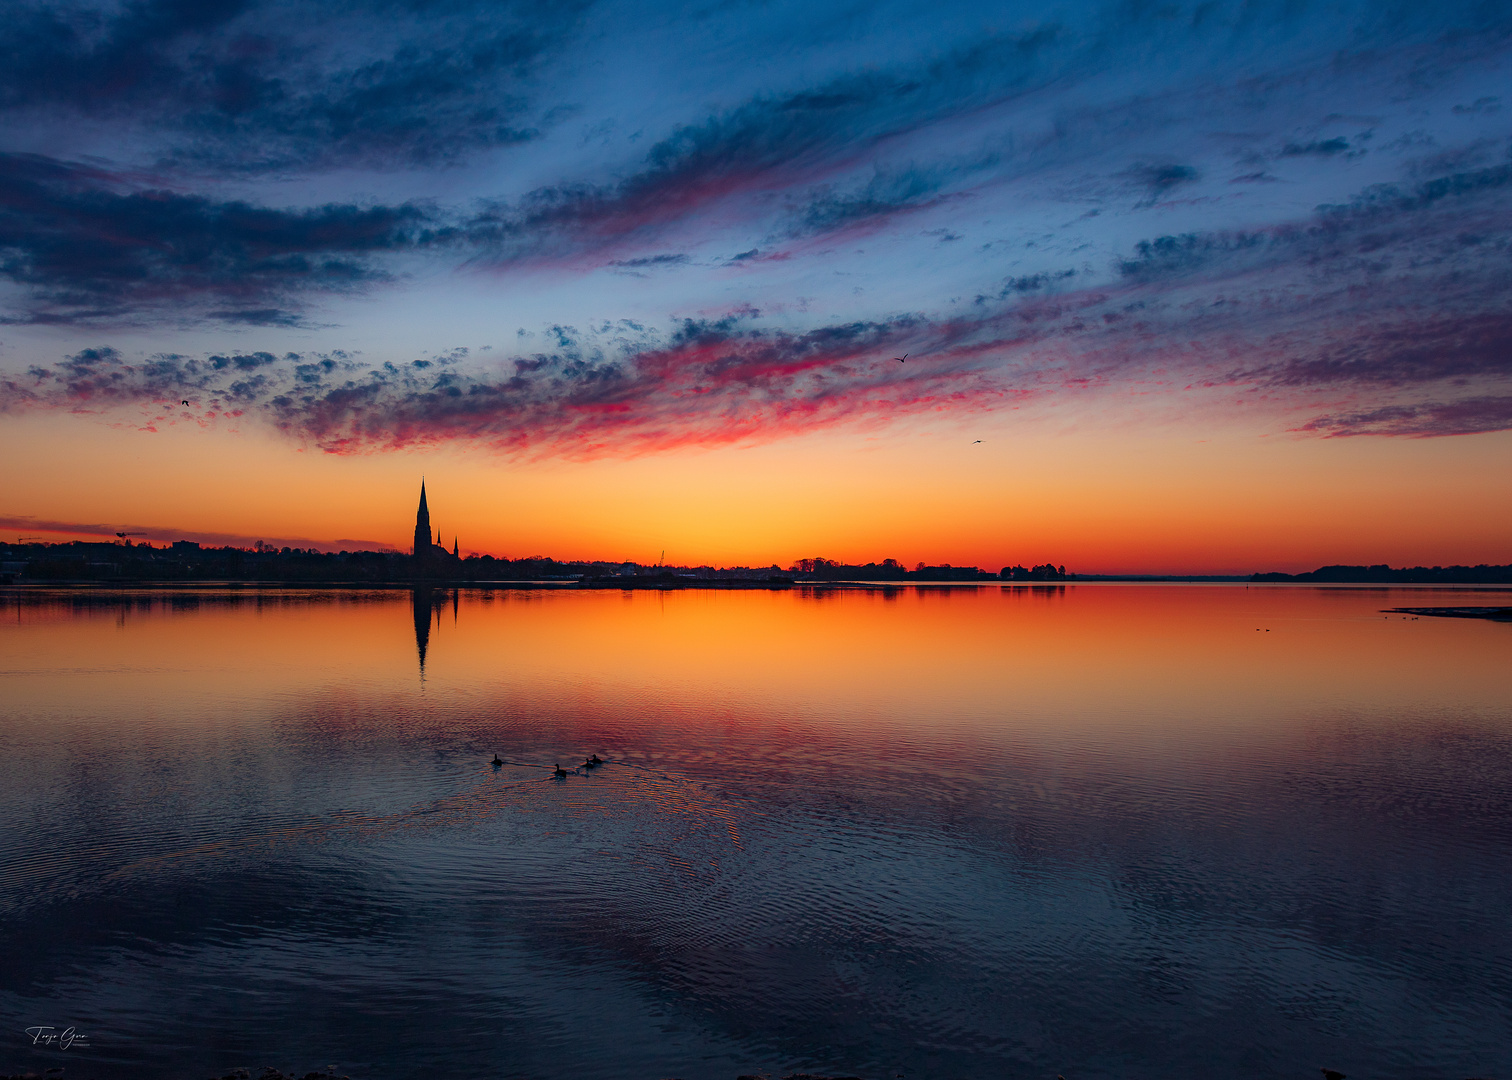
(893, 570)
(189, 561)
(85, 561)
(1411, 575)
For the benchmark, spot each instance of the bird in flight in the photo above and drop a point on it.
(975, 441)
(184, 403)
(902, 358)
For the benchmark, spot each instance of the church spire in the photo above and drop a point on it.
(422, 524)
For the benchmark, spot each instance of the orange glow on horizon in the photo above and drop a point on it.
(1102, 500)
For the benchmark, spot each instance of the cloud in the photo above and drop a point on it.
(233, 88)
(650, 261)
(1025, 284)
(1446, 233)
(1316, 148)
(102, 379)
(1384, 199)
(259, 317)
(267, 84)
(1189, 254)
(1158, 180)
(1468, 416)
(1479, 105)
(1387, 303)
(1405, 352)
(87, 246)
(637, 267)
(888, 193)
(776, 140)
(93, 245)
(1389, 296)
(167, 534)
(704, 382)
(860, 146)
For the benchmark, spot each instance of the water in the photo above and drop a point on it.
(1101, 831)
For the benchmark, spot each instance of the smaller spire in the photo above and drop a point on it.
(456, 554)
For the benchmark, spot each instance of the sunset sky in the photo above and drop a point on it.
(1219, 286)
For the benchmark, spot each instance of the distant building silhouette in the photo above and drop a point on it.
(431, 553)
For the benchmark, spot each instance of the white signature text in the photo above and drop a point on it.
(62, 1038)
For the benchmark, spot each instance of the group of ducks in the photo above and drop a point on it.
(593, 761)
(590, 762)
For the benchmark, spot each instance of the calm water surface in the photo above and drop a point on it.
(1101, 831)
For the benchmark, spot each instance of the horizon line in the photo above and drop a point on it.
(168, 536)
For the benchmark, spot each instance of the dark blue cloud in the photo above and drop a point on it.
(1318, 148)
(1170, 256)
(1417, 222)
(257, 84)
(86, 246)
(1053, 147)
(1387, 300)
(1470, 416)
(1157, 180)
(1409, 351)
(886, 194)
(650, 261)
(1027, 284)
(243, 362)
(637, 267)
(1479, 105)
(797, 142)
(257, 317)
(778, 137)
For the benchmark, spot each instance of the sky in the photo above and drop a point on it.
(1179, 287)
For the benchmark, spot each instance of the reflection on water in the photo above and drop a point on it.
(1092, 830)
(424, 606)
(428, 603)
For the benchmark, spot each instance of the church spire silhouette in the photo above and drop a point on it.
(422, 524)
(431, 556)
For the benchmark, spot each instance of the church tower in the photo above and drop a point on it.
(422, 526)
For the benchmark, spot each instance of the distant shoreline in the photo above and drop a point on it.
(715, 584)
(189, 563)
